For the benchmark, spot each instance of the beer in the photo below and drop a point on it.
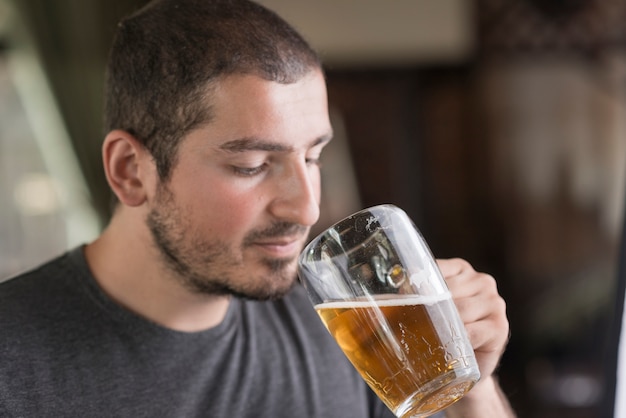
(407, 348)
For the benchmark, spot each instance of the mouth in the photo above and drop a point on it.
(279, 241)
(285, 247)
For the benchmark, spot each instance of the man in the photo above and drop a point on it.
(185, 306)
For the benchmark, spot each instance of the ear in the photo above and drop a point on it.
(127, 165)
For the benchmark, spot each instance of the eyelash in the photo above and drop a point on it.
(249, 171)
(252, 171)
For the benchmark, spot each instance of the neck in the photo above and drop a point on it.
(126, 266)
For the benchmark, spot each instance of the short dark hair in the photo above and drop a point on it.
(166, 55)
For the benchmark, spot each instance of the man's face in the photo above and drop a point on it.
(245, 189)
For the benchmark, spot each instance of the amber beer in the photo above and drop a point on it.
(408, 349)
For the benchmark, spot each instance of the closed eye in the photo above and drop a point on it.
(249, 171)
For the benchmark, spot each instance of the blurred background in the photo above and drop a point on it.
(498, 125)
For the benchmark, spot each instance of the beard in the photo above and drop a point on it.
(212, 267)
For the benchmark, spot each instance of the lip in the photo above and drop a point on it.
(280, 247)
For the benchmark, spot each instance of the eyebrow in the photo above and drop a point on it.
(257, 144)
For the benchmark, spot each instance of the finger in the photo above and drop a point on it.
(488, 339)
(478, 300)
(488, 330)
(453, 266)
(464, 281)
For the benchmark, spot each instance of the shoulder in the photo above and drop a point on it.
(38, 278)
(29, 307)
(41, 290)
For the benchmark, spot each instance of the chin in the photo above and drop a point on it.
(271, 291)
(268, 279)
(274, 284)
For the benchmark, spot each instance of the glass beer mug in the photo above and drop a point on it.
(377, 288)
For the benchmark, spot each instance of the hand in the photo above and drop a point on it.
(482, 310)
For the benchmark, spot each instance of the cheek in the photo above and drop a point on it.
(227, 212)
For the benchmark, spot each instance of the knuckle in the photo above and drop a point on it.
(463, 264)
(489, 282)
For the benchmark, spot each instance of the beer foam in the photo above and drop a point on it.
(386, 300)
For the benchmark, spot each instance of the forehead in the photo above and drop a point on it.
(243, 106)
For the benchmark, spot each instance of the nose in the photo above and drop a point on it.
(297, 195)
